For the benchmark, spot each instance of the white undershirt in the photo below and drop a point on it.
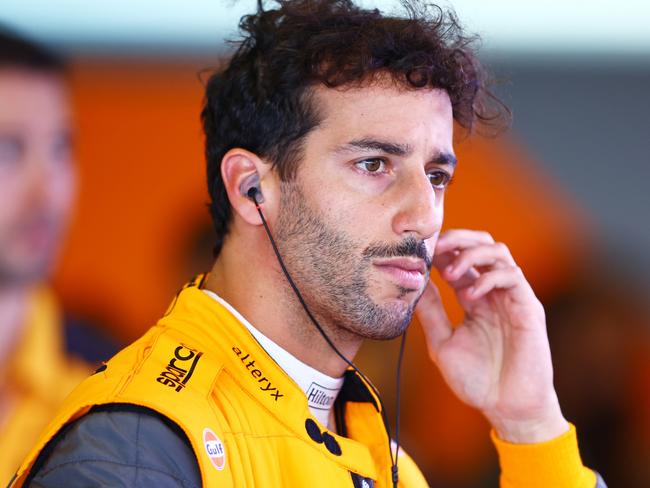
(321, 390)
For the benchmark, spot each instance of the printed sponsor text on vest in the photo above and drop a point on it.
(257, 374)
(174, 375)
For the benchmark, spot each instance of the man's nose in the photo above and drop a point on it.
(420, 208)
(42, 177)
(36, 178)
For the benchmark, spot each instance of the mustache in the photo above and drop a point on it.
(409, 247)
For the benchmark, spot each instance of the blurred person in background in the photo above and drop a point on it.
(375, 156)
(44, 353)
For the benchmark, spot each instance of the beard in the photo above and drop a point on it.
(334, 278)
(28, 249)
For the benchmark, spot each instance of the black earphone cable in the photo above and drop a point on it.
(252, 194)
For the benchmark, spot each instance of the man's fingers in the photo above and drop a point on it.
(442, 260)
(462, 238)
(493, 255)
(511, 278)
(433, 318)
(460, 268)
(459, 281)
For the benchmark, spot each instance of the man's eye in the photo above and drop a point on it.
(62, 148)
(374, 165)
(439, 179)
(11, 149)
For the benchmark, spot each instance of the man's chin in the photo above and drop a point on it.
(408, 296)
(393, 330)
(398, 314)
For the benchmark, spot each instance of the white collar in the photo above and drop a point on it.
(321, 390)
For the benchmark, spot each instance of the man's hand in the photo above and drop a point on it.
(498, 359)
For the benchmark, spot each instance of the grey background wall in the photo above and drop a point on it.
(587, 121)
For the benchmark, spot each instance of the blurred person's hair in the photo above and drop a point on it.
(261, 100)
(18, 52)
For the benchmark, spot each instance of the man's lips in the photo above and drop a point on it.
(407, 272)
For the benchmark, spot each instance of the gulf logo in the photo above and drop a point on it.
(214, 448)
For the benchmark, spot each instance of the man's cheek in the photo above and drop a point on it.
(439, 207)
(431, 243)
(9, 217)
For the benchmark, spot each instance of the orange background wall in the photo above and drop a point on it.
(139, 151)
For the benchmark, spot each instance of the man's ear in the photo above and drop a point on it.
(240, 170)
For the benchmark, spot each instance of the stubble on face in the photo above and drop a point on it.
(28, 249)
(334, 273)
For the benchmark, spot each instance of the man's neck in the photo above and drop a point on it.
(261, 293)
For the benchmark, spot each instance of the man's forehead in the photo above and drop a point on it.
(20, 75)
(384, 89)
(386, 118)
(33, 95)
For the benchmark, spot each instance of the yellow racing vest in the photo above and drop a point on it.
(35, 380)
(247, 421)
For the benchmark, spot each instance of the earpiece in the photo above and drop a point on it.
(250, 188)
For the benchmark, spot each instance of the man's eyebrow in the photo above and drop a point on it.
(395, 149)
(387, 147)
(443, 158)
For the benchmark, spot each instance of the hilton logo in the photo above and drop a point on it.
(320, 397)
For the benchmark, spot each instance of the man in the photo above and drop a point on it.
(37, 188)
(329, 149)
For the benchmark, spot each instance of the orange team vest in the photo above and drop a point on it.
(248, 423)
(36, 378)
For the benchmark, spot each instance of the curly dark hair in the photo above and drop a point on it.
(18, 52)
(260, 100)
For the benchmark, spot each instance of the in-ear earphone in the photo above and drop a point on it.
(250, 188)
